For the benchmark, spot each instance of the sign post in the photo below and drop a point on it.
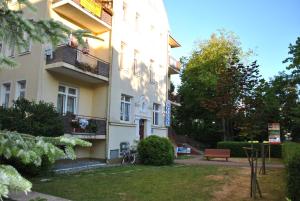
(274, 135)
(168, 114)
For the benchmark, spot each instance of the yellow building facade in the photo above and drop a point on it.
(110, 90)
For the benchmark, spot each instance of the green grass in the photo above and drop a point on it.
(175, 183)
(138, 183)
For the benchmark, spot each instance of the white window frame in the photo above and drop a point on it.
(152, 72)
(19, 90)
(67, 94)
(155, 116)
(122, 59)
(137, 22)
(123, 104)
(136, 63)
(23, 50)
(4, 92)
(125, 9)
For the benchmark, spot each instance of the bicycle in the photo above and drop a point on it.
(129, 157)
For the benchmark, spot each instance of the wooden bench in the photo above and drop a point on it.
(217, 153)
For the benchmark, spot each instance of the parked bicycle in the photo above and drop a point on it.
(129, 154)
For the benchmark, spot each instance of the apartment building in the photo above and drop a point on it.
(108, 91)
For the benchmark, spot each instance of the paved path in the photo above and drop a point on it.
(232, 162)
(20, 196)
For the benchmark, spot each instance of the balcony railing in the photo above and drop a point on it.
(174, 65)
(79, 59)
(84, 125)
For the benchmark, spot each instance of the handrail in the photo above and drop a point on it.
(89, 55)
(85, 116)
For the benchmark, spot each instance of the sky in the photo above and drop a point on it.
(265, 26)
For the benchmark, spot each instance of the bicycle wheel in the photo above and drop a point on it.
(132, 158)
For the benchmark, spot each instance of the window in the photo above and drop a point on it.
(67, 100)
(152, 73)
(137, 22)
(124, 12)
(21, 89)
(156, 114)
(123, 55)
(11, 51)
(136, 63)
(5, 94)
(27, 43)
(125, 108)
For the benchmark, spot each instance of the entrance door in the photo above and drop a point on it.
(142, 128)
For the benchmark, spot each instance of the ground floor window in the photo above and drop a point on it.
(125, 108)
(156, 114)
(5, 94)
(21, 89)
(67, 99)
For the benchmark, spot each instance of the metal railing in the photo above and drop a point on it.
(174, 63)
(83, 125)
(80, 59)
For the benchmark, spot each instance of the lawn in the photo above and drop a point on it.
(146, 183)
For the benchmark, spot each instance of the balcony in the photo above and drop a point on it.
(84, 127)
(75, 63)
(85, 13)
(174, 66)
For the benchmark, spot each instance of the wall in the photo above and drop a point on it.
(151, 41)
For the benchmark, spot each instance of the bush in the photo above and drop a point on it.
(291, 157)
(236, 148)
(38, 119)
(156, 150)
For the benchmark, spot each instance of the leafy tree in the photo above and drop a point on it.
(294, 59)
(210, 89)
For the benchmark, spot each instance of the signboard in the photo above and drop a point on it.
(183, 150)
(92, 7)
(168, 114)
(274, 133)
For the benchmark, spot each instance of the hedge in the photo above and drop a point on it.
(236, 148)
(155, 150)
(291, 157)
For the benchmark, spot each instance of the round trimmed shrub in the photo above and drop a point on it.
(155, 150)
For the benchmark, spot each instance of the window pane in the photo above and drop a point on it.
(6, 100)
(156, 118)
(62, 89)
(60, 103)
(127, 98)
(6, 86)
(72, 91)
(122, 111)
(127, 111)
(22, 84)
(22, 94)
(71, 104)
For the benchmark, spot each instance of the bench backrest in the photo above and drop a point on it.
(225, 152)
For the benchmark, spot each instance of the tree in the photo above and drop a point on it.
(30, 149)
(210, 87)
(294, 59)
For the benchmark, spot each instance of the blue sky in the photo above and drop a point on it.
(266, 26)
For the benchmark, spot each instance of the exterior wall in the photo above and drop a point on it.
(151, 41)
(97, 151)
